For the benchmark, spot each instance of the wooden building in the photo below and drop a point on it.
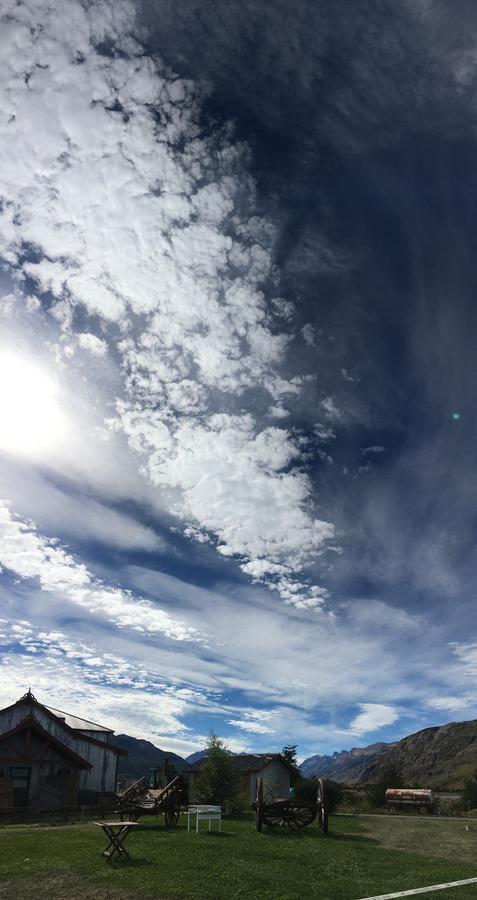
(273, 767)
(52, 759)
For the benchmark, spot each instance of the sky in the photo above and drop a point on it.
(238, 324)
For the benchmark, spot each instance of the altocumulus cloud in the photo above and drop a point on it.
(119, 206)
(48, 656)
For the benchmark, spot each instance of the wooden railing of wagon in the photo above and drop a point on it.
(141, 800)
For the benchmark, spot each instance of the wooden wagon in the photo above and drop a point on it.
(142, 800)
(293, 812)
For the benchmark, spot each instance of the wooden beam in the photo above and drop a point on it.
(14, 749)
(27, 761)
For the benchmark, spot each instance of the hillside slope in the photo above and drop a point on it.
(142, 756)
(441, 756)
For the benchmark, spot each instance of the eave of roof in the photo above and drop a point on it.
(32, 701)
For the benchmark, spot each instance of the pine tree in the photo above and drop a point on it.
(217, 781)
(289, 753)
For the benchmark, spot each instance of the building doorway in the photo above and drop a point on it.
(21, 784)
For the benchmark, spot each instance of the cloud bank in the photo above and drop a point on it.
(119, 206)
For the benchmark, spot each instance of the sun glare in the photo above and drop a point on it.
(31, 419)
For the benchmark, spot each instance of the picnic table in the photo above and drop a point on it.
(202, 811)
(116, 832)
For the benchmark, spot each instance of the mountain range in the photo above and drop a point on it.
(349, 766)
(442, 756)
(194, 757)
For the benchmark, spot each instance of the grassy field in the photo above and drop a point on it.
(359, 858)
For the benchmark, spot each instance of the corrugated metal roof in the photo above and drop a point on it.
(247, 762)
(77, 723)
(252, 762)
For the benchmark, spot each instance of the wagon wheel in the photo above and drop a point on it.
(298, 816)
(259, 805)
(172, 816)
(294, 813)
(272, 816)
(322, 804)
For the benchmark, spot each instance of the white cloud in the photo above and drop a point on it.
(90, 460)
(261, 654)
(268, 653)
(372, 717)
(252, 727)
(375, 449)
(137, 218)
(330, 409)
(308, 333)
(91, 342)
(467, 656)
(73, 515)
(232, 484)
(30, 555)
(457, 692)
(141, 703)
(324, 433)
(278, 412)
(349, 376)
(451, 704)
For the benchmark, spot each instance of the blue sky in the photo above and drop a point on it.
(237, 360)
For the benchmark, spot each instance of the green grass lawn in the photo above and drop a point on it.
(359, 857)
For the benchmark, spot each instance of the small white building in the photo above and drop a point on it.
(49, 758)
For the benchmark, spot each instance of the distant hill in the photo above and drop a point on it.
(347, 766)
(142, 756)
(442, 756)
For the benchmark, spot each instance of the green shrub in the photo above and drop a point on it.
(469, 794)
(307, 789)
(334, 793)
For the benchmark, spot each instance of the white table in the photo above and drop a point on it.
(202, 811)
